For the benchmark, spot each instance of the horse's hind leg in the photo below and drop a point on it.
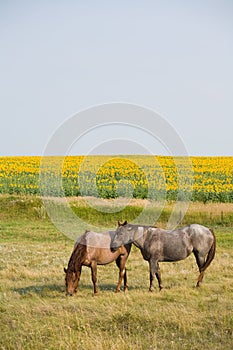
(203, 262)
(122, 273)
(94, 276)
(200, 263)
(200, 278)
(154, 271)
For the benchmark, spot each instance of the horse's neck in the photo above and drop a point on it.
(139, 237)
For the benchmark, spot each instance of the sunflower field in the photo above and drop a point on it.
(196, 178)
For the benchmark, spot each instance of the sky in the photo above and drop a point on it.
(58, 58)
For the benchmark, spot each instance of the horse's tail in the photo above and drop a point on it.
(209, 258)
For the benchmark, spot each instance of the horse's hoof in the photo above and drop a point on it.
(150, 290)
(117, 291)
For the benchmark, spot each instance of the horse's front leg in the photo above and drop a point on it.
(125, 281)
(154, 271)
(121, 261)
(94, 276)
(78, 274)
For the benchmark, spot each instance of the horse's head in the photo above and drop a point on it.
(71, 281)
(122, 236)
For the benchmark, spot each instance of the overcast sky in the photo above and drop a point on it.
(60, 57)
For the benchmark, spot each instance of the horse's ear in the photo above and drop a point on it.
(124, 223)
(65, 270)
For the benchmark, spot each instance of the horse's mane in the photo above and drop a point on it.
(79, 252)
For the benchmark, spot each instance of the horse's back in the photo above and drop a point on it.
(199, 228)
(95, 239)
(99, 240)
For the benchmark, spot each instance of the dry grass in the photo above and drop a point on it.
(36, 314)
(216, 208)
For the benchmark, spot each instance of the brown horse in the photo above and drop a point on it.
(159, 245)
(94, 249)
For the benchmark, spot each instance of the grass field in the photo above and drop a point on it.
(36, 314)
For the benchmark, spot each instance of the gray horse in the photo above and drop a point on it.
(159, 245)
